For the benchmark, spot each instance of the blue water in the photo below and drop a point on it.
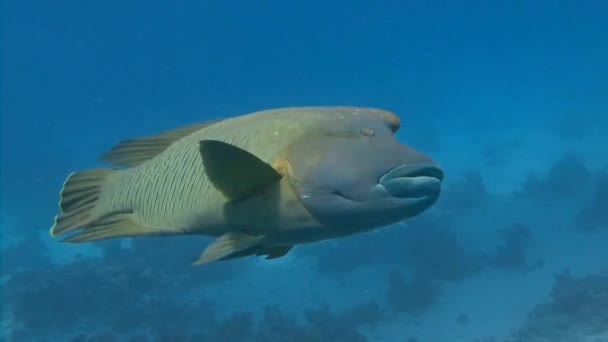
(510, 97)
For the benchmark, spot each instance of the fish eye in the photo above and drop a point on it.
(362, 133)
(366, 132)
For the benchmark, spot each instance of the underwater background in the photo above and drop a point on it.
(510, 97)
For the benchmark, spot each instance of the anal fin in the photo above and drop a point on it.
(228, 246)
(274, 252)
(269, 252)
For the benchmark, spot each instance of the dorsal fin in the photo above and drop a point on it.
(132, 152)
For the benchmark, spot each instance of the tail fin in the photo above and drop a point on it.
(78, 198)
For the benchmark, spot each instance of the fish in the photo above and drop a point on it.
(258, 183)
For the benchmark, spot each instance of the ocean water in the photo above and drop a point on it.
(510, 97)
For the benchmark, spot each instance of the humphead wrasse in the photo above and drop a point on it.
(259, 183)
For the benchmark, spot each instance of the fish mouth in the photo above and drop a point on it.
(418, 181)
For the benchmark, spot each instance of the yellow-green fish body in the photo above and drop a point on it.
(252, 181)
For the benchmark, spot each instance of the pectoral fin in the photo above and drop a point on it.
(235, 172)
(228, 246)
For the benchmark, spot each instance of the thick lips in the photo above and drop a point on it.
(413, 181)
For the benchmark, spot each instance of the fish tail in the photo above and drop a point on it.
(78, 199)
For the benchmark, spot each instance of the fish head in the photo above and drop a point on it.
(352, 174)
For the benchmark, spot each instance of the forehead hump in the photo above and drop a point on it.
(349, 116)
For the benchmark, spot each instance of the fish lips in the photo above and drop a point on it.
(402, 192)
(416, 181)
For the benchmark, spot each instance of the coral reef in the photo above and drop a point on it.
(125, 299)
(127, 290)
(512, 253)
(414, 296)
(424, 245)
(146, 292)
(44, 302)
(568, 177)
(576, 311)
(433, 251)
(28, 252)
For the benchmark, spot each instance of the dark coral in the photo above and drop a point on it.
(435, 252)
(136, 302)
(320, 324)
(583, 299)
(425, 245)
(577, 308)
(512, 253)
(29, 252)
(414, 296)
(569, 176)
(277, 326)
(125, 297)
